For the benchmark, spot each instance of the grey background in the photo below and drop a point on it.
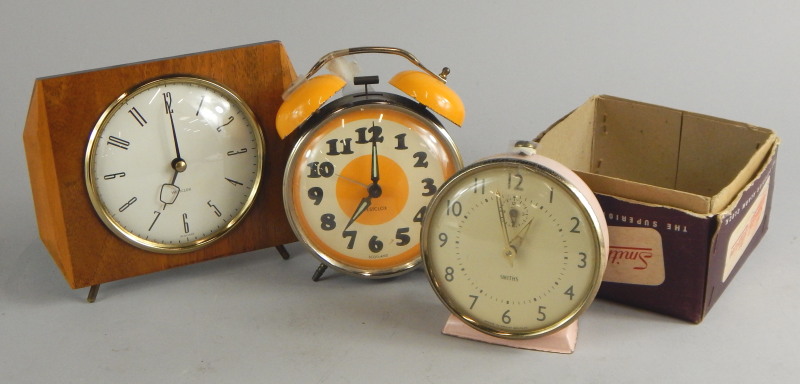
(518, 66)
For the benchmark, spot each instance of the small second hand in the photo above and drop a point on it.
(352, 180)
(172, 183)
(170, 188)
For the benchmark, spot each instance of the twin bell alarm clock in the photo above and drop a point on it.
(359, 179)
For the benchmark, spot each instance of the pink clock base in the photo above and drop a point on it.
(562, 341)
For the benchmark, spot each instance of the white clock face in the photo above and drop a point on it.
(357, 187)
(175, 164)
(512, 250)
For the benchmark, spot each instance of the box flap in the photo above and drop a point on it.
(658, 155)
(636, 141)
(571, 144)
(655, 195)
(719, 157)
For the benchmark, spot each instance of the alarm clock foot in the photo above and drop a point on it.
(283, 252)
(318, 273)
(93, 293)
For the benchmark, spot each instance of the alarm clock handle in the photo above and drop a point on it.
(386, 50)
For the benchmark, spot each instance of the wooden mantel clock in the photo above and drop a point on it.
(149, 166)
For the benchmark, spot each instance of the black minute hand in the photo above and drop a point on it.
(168, 106)
(374, 190)
(170, 191)
(375, 175)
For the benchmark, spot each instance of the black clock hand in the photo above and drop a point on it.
(170, 191)
(168, 106)
(374, 189)
(375, 172)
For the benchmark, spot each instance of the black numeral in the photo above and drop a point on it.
(402, 236)
(420, 215)
(454, 208)
(202, 98)
(114, 175)
(430, 188)
(127, 204)
(317, 169)
(401, 141)
(474, 300)
(443, 239)
(375, 135)
(119, 143)
(449, 274)
(333, 147)
(515, 181)
(138, 116)
(328, 221)
(216, 210)
(230, 120)
(506, 318)
(315, 193)
(185, 223)
(352, 236)
(583, 260)
(479, 185)
(231, 153)
(158, 214)
(575, 227)
(569, 292)
(234, 182)
(421, 160)
(375, 245)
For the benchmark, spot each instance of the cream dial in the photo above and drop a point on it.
(358, 183)
(174, 164)
(512, 248)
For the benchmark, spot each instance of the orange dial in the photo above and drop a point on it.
(359, 180)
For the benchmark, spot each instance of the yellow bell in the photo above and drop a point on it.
(304, 100)
(432, 93)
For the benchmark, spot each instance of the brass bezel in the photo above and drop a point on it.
(112, 109)
(599, 237)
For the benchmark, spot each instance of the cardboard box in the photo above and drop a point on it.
(686, 197)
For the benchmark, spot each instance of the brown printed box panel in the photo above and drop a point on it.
(740, 231)
(649, 240)
(686, 197)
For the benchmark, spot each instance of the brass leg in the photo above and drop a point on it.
(318, 273)
(282, 250)
(93, 293)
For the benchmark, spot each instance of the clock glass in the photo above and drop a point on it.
(174, 164)
(358, 183)
(512, 248)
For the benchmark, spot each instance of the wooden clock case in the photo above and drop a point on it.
(62, 113)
